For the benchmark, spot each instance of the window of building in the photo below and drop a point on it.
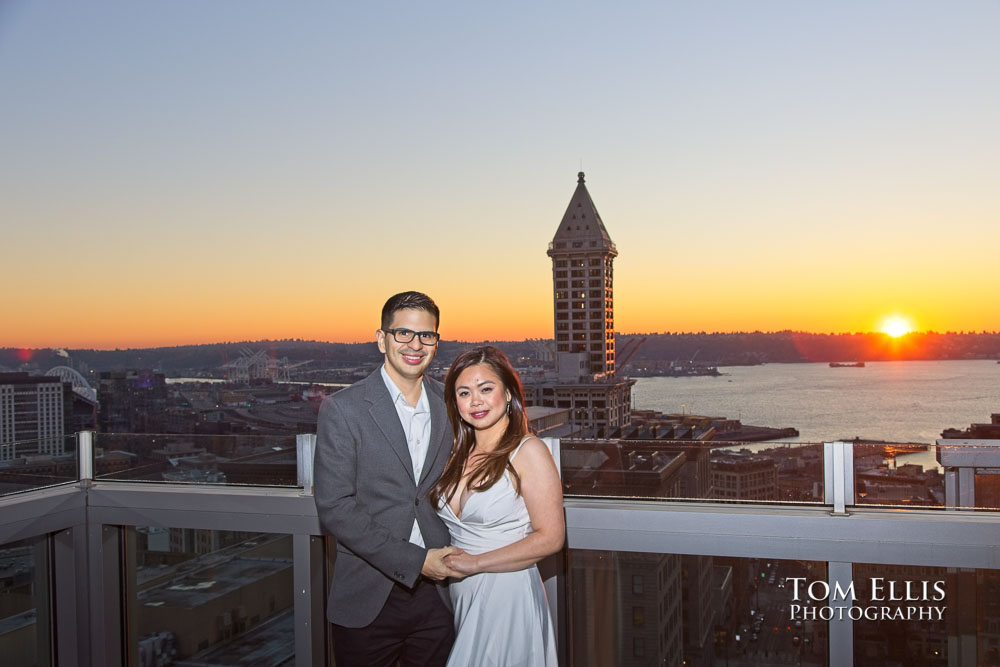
(638, 617)
(637, 584)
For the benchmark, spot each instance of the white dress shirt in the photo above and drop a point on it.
(416, 422)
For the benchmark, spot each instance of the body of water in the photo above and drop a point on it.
(896, 401)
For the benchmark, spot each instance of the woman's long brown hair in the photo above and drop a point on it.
(489, 470)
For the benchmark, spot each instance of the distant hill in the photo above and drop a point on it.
(741, 348)
(725, 349)
(209, 357)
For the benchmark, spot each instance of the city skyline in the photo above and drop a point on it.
(182, 175)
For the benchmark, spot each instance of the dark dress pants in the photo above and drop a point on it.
(413, 628)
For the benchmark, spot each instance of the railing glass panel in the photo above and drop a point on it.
(210, 597)
(693, 471)
(259, 460)
(25, 607)
(946, 474)
(35, 464)
(627, 608)
(930, 616)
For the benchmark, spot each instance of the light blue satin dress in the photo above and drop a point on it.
(502, 619)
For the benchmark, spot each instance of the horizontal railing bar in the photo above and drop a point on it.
(258, 509)
(41, 511)
(867, 535)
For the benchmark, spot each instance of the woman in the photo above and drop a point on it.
(501, 498)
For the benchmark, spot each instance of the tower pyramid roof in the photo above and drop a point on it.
(582, 222)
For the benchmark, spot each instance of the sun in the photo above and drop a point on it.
(896, 326)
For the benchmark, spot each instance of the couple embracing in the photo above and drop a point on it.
(441, 502)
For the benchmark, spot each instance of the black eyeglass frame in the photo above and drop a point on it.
(422, 335)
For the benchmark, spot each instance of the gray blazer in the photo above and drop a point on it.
(367, 498)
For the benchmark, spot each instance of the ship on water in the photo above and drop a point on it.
(847, 364)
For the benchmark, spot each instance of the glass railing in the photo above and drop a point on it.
(896, 475)
(693, 471)
(26, 619)
(34, 464)
(917, 475)
(933, 616)
(641, 582)
(258, 460)
(628, 608)
(210, 597)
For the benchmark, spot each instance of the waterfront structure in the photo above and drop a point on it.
(582, 255)
(32, 418)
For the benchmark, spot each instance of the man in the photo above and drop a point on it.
(382, 444)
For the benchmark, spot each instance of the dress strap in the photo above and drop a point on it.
(520, 444)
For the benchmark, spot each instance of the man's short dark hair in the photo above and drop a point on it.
(411, 300)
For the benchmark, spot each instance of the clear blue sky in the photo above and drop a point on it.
(197, 171)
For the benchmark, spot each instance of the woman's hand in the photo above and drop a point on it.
(464, 563)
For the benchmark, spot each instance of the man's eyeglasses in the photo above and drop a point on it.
(406, 335)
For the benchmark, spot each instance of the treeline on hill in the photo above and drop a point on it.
(740, 348)
(724, 349)
(208, 358)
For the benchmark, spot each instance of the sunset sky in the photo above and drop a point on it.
(190, 172)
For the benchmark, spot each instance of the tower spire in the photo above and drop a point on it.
(582, 253)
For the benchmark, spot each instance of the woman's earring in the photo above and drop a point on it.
(508, 407)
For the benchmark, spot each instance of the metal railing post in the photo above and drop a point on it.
(85, 457)
(305, 450)
(838, 476)
(840, 627)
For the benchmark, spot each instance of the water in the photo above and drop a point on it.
(896, 401)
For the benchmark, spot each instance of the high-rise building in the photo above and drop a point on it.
(132, 401)
(31, 416)
(582, 255)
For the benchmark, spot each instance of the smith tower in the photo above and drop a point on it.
(582, 253)
(598, 403)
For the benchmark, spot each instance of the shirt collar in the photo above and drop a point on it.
(397, 395)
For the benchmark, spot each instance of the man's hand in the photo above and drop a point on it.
(434, 565)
